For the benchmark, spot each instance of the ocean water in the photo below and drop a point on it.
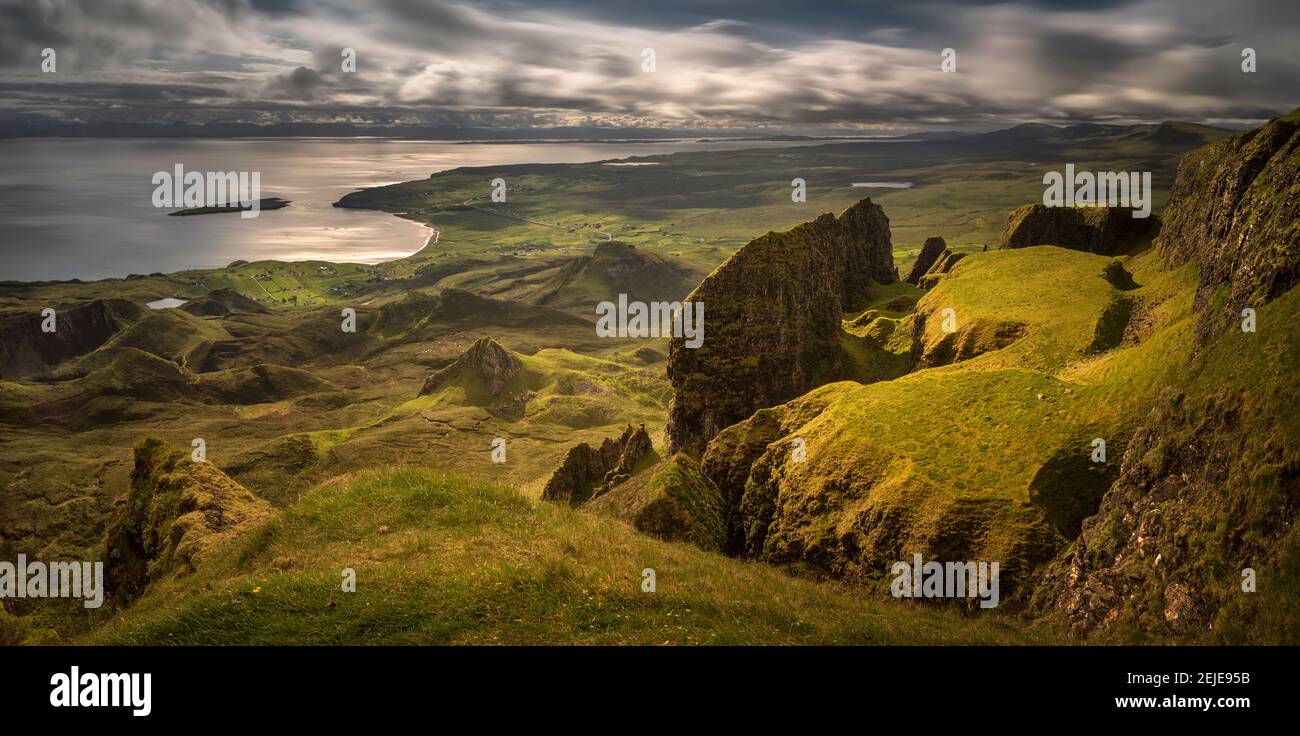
(83, 208)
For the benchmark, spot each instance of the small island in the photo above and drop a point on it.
(265, 203)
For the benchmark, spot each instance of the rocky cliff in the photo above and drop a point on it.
(1235, 211)
(930, 252)
(1100, 230)
(1197, 537)
(942, 265)
(176, 514)
(588, 472)
(818, 485)
(772, 321)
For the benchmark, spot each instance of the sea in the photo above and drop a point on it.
(83, 208)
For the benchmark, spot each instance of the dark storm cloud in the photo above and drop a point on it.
(301, 83)
(768, 63)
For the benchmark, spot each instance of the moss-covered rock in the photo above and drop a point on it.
(672, 501)
(1197, 537)
(1235, 211)
(773, 321)
(1100, 230)
(931, 250)
(176, 513)
(942, 266)
(971, 339)
(838, 483)
(588, 471)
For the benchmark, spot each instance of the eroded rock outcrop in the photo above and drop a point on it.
(970, 340)
(772, 321)
(941, 267)
(672, 501)
(803, 486)
(486, 375)
(1235, 211)
(1100, 230)
(587, 472)
(930, 252)
(1209, 490)
(176, 514)
(485, 363)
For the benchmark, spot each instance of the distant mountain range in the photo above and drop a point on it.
(20, 127)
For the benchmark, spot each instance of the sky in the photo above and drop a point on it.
(768, 66)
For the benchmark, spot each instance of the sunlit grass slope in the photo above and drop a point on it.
(987, 453)
(445, 560)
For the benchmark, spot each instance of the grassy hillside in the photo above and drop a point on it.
(445, 560)
(982, 452)
(1052, 348)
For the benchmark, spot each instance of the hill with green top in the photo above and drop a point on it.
(441, 559)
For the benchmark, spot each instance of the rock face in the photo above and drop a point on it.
(772, 321)
(176, 513)
(849, 512)
(941, 267)
(485, 362)
(930, 252)
(588, 472)
(1210, 483)
(671, 501)
(26, 351)
(1099, 230)
(1235, 211)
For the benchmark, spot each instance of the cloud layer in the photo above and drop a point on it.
(802, 67)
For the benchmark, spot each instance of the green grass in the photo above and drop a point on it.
(1060, 294)
(68, 443)
(445, 560)
(968, 459)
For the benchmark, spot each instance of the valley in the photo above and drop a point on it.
(967, 440)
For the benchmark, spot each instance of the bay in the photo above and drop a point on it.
(82, 208)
